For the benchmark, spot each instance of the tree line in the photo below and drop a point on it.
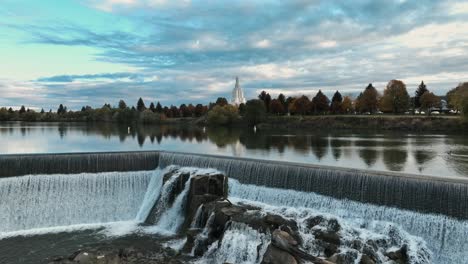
(395, 99)
(122, 113)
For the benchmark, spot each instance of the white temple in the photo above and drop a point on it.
(237, 94)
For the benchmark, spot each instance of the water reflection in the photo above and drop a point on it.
(443, 155)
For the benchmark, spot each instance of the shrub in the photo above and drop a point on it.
(222, 115)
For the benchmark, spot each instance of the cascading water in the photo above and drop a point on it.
(446, 237)
(44, 201)
(416, 193)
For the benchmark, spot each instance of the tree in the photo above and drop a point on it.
(241, 109)
(152, 108)
(428, 100)
(184, 111)
(141, 105)
(122, 104)
(199, 110)
(61, 110)
(222, 115)
(347, 105)
(300, 105)
(395, 98)
(266, 98)
(282, 100)
(368, 100)
(320, 103)
(419, 92)
(42, 111)
(276, 107)
(221, 101)
(255, 112)
(23, 110)
(159, 108)
(336, 105)
(457, 96)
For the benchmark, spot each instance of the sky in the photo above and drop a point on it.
(91, 52)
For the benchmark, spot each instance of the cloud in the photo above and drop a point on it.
(191, 50)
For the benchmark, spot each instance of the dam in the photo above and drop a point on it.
(57, 190)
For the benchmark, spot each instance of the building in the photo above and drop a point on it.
(237, 94)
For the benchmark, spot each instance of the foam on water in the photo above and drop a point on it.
(445, 237)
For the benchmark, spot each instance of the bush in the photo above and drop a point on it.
(148, 117)
(223, 115)
(255, 112)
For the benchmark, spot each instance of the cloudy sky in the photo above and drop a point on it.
(90, 52)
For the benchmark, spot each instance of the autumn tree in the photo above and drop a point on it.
(141, 105)
(395, 98)
(276, 107)
(419, 92)
(347, 105)
(320, 103)
(336, 104)
(368, 101)
(199, 110)
(428, 100)
(457, 96)
(300, 105)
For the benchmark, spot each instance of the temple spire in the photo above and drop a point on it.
(237, 94)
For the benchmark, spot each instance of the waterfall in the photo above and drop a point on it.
(151, 195)
(43, 201)
(446, 196)
(446, 237)
(35, 164)
(240, 244)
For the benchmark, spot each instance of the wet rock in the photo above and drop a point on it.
(274, 255)
(366, 260)
(346, 257)
(327, 236)
(399, 255)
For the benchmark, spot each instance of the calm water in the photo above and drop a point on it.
(431, 154)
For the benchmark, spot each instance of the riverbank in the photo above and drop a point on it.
(371, 122)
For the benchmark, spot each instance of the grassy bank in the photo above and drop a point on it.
(372, 122)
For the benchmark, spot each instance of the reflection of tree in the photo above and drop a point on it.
(336, 145)
(369, 156)
(422, 157)
(299, 143)
(319, 146)
(395, 159)
(368, 151)
(223, 136)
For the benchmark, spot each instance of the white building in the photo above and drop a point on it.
(237, 94)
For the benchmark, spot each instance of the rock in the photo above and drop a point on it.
(399, 255)
(283, 240)
(204, 189)
(274, 255)
(366, 260)
(84, 257)
(330, 237)
(330, 224)
(346, 257)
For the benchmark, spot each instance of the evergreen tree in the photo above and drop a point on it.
(122, 104)
(159, 108)
(419, 92)
(320, 103)
(42, 111)
(152, 108)
(10, 110)
(337, 101)
(22, 110)
(83, 109)
(141, 105)
(61, 110)
(221, 101)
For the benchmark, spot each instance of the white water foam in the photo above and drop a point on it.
(240, 244)
(44, 201)
(447, 238)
